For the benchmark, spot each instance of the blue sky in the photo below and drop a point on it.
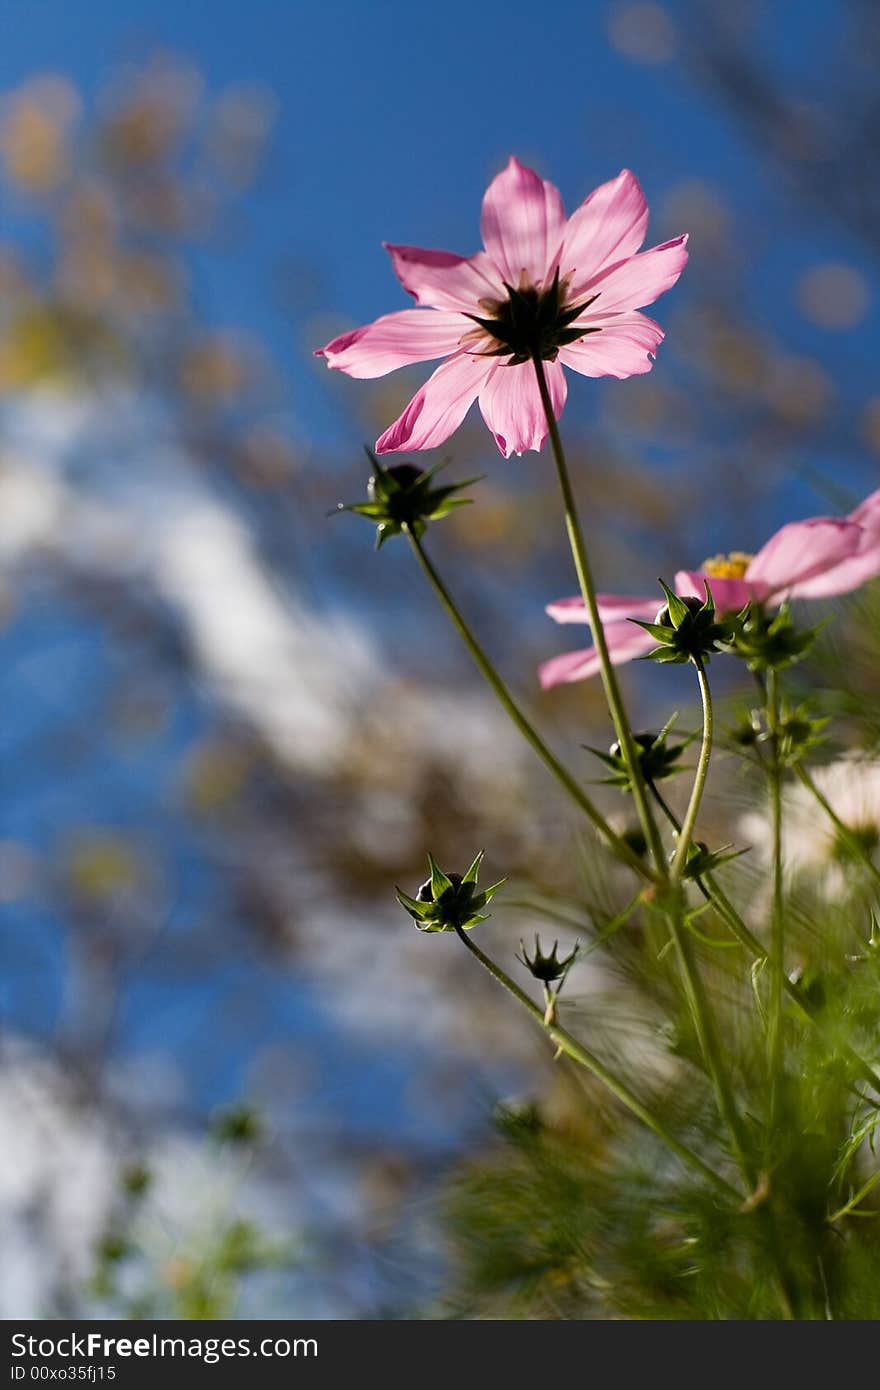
(393, 115)
(391, 119)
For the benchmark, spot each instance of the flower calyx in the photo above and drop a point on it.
(532, 323)
(403, 498)
(770, 642)
(551, 971)
(798, 733)
(688, 629)
(702, 860)
(449, 902)
(547, 968)
(658, 758)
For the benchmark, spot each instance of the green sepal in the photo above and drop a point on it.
(549, 969)
(798, 732)
(490, 892)
(439, 880)
(474, 870)
(403, 498)
(420, 910)
(767, 643)
(658, 631)
(657, 758)
(532, 323)
(688, 629)
(449, 902)
(668, 656)
(678, 609)
(701, 860)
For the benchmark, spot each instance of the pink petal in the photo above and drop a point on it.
(729, 594)
(801, 551)
(608, 227)
(633, 283)
(511, 405)
(843, 578)
(395, 340)
(867, 513)
(612, 608)
(443, 280)
(439, 407)
(625, 643)
(621, 348)
(522, 223)
(864, 565)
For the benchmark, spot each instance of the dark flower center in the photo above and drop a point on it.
(864, 837)
(532, 324)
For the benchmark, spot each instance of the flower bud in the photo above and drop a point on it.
(404, 475)
(548, 968)
(771, 642)
(401, 498)
(702, 860)
(687, 629)
(658, 759)
(693, 604)
(449, 902)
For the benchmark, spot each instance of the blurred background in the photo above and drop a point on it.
(234, 1081)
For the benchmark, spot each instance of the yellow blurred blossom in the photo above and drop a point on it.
(101, 865)
(642, 31)
(35, 130)
(834, 296)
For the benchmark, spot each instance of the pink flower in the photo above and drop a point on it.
(818, 558)
(565, 290)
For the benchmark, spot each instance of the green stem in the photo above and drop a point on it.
(588, 591)
(526, 728)
(695, 992)
(679, 861)
(573, 1049)
(620, 847)
(707, 1035)
(850, 840)
(775, 1040)
(713, 893)
(704, 1023)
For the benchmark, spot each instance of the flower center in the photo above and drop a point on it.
(530, 324)
(732, 566)
(866, 837)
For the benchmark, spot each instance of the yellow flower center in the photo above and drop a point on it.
(732, 566)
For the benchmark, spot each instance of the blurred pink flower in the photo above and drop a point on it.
(818, 558)
(567, 290)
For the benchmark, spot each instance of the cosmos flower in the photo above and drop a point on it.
(564, 291)
(818, 558)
